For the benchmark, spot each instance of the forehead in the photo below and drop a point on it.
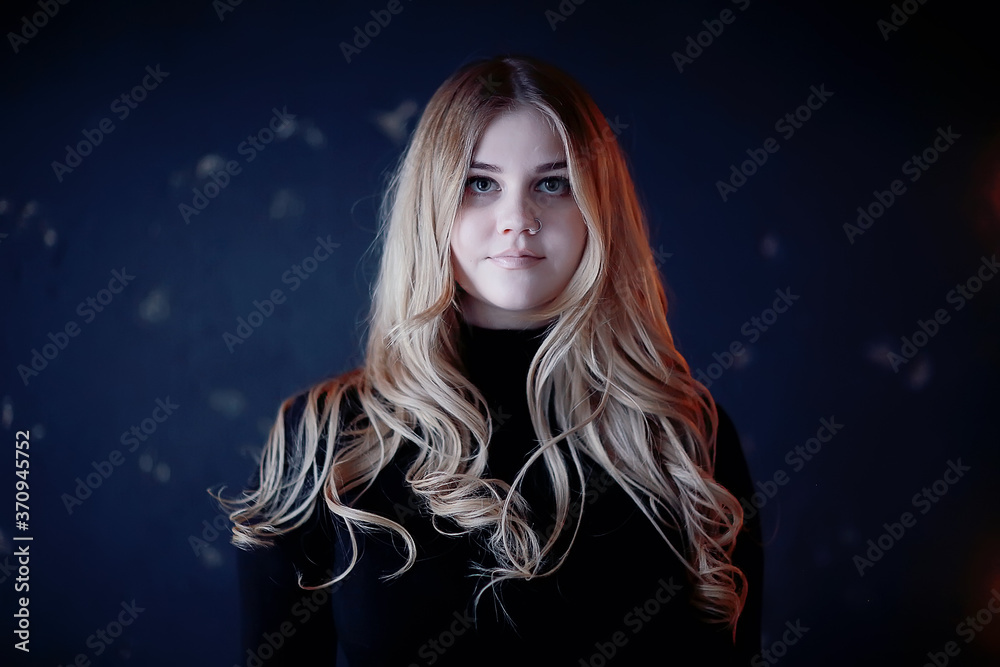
(521, 135)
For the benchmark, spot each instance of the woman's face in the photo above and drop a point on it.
(518, 173)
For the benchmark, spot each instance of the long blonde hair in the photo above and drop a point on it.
(619, 391)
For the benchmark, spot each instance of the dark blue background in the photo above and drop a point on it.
(826, 357)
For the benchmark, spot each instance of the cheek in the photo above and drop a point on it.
(470, 232)
(456, 261)
(579, 249)
(460, 245)
(579, 237)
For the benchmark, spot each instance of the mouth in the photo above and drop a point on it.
(516, 261)
(516, 254)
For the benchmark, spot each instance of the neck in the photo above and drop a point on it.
(497, 360)
(476, 314)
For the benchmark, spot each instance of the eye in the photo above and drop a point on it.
(480, 184)
(554, 185)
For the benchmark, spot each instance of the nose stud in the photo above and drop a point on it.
(535, 231)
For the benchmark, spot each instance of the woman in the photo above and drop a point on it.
(524, 469)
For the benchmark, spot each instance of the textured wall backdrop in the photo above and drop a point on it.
(187, 206)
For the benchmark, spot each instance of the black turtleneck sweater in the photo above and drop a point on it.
(620, 598)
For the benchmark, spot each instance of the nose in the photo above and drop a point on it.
(517, 217)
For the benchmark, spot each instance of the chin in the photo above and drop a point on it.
(515, 303)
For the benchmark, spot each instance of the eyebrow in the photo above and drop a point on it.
(548, 166)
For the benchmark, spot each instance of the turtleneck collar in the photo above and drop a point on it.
(498, 359)
(497, 362)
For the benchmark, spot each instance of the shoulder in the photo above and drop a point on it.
(304, 422)
(341, 392)
(731, 469)
(309, 414)
(300, 432)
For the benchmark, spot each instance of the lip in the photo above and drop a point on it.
(515, 252)
(516, 261)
